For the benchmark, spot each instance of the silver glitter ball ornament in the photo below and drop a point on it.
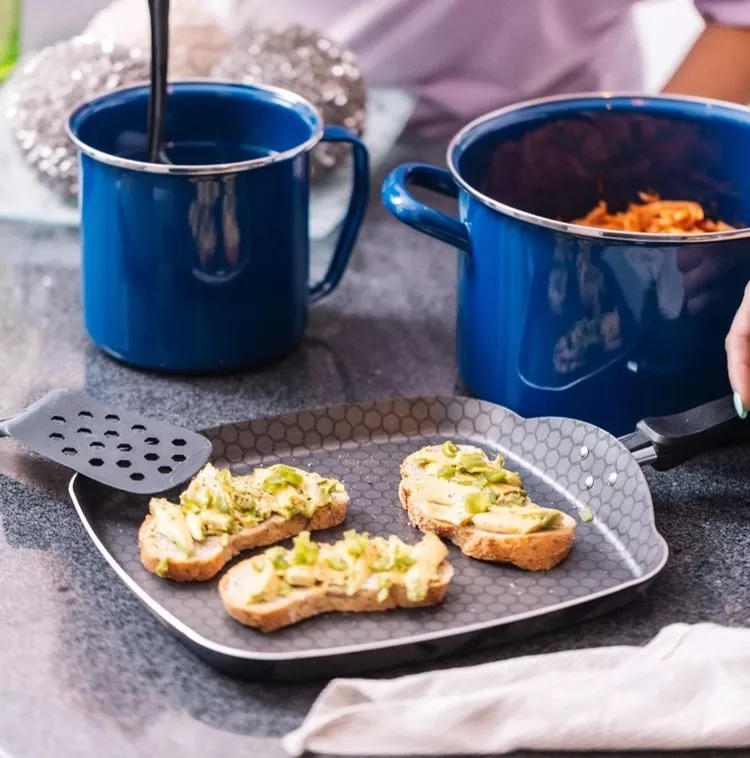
(44, 91)
(303, 61)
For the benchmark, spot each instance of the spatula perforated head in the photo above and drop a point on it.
(118, 448)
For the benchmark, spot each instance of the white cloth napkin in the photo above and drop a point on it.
(689, 688)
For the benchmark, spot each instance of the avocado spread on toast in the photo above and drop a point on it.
(356, 562)
(216, 503)
(461, 486)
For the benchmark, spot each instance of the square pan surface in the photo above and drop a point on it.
(565, 464)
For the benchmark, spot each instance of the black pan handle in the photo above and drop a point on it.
(667, 441)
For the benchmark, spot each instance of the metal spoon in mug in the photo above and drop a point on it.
(159, 16)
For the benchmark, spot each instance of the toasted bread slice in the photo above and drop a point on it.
(176, 544)
(538, 551)
(160, 556)
(288, 604)
(511, 529)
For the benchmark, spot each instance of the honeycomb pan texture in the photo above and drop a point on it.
(565, 464)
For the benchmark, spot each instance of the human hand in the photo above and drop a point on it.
(738, 355)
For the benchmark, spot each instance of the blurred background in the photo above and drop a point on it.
(667, 27)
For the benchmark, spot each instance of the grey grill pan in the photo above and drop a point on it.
(566, 464)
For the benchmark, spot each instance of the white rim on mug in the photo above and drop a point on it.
(287, 96)
(579, 229)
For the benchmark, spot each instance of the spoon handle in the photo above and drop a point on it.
(159, 14)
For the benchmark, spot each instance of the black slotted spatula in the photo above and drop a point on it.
(124, 450)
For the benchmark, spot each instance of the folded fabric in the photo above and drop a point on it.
(689, 688)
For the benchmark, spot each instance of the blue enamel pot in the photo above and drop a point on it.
(556, 317)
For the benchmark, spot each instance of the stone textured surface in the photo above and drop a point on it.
(86, 671)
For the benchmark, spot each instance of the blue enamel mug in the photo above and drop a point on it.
(201, 265)
(556, 317)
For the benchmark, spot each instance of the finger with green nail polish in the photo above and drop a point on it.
(739, 406)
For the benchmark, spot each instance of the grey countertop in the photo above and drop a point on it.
(85, 671)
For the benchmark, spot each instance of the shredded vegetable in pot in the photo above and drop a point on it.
(654, 216)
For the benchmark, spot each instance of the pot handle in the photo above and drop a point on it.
(667, 441)
(405, 207)
(354, 215)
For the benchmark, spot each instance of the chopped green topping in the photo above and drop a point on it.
(587, 515)
(162, 567)
(446, 472)
(469, 469)
(289, 474)
(321, 495)
(473, 463)
(195, 525)
(223, 495)
(356, 544)
(216, 522)
(517, 497)
(245, 503)
(396, 558)
(210, 489)
(550, 521)
(448, 449)
(477, 502)
(305, 551)
(282, 476)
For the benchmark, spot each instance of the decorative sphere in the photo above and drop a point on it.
(303, 61)
(43, 92)
(196, 39)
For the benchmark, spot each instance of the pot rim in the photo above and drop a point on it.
(176, 169)
(579, 230)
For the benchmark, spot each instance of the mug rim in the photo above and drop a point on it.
(596, 233)
(177, 169)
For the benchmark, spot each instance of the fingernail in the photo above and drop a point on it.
(738, 406)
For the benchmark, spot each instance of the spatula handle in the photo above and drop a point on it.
(667, 441)
(7, 423)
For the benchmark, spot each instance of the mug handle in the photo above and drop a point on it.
(354, 215)
(405, 207)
